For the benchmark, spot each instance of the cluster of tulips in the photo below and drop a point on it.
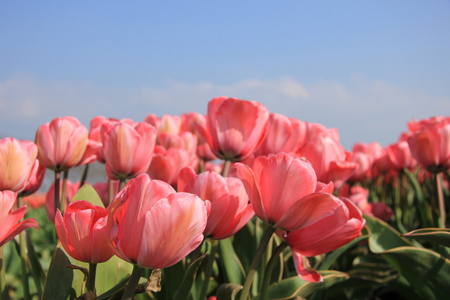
(238, 203)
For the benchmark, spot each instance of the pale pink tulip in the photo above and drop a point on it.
(35, 179)
(325, 235)
(17, 160)
(61, 143)
(152, 226)
(127, 149)
(430, 146)
(283, 135)
(82, 232)
(235, 128)
(167, 123)
(230, 208)
(9, 220)
(283, 193)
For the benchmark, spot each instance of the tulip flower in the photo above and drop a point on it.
(127, 149)
(18, 159)
(400, 155)
(82, 232)
(61, 143)
(152, 226)
(9, 220)
(230, 209)
(282, 190)
(235, 128)
(71, 189)
(323, 236)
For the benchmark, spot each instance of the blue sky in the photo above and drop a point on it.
(365, 67)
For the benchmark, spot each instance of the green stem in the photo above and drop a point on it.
(84, 174)
(122, 183)
(209, 267)
(132, 283)
(91, 277)
(440, 196)
(64, 192)
(111, 193)
(255, 263)
(226, 168)
(23, 257)
(398, 204)
(57, 193)
(269, 268)
(2, 273)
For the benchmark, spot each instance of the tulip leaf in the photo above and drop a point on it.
(188, 279)
(382, 236)
(88, 193)
(228, 291)
(58, 284)
(231, 264)
(294, 287)
(36, 269)
(433, 235)
(111, 273)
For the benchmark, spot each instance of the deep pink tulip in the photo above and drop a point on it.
(329, 159)
(230, 208)
(127, 149)
(282, 191)
(325, 235)
(166, 164)
(17, 159)
(382, 211)
(61, 143)
(9, 220)
(283, 135)
(430, 146)
(82, 232)
(102, 189)
(235, 128)
(152, 226)
(71, 189)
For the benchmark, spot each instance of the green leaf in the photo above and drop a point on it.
(111, 273)
(88, 193)
(36, 269)
(433, 235)
(188, 279)
(230, 262)
(228, 291)
(382, 236)
(295, 287)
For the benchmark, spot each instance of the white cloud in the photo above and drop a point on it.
(362, 109)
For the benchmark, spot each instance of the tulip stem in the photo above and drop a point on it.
(440, 196)
(91, 277)
(268, 271)
(209, 267)
(57, 193)
(63, 192)
(132, 283)
(23, 257)
(255, 263)
(226, 168)
(2, 273)
(84, 175)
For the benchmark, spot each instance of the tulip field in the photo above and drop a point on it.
(239, 203)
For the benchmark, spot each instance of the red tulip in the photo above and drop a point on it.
(9, 220)
(325, 235)
(230, 209)
(18, 159)
(153, 226)
(430, 146)
(282, 191)
(82, 232)
(127, 149)
(235, 128)
(61, 143)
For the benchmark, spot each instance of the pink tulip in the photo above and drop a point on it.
(82, 232)
(235, 128)
(283, 135)
(9, 220)
(61, 143)
(17, 159)
(230, 209)
(102, 189)
(71, 189)
(329, 159)
(359, 196)
(400, 155)
(185, 140)
(152, 226)
(127, 149)
(35, 179)
(166, 164)
(430, 146)
(325, 235)
(382, 211)
(283, 193)
(167, 123)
